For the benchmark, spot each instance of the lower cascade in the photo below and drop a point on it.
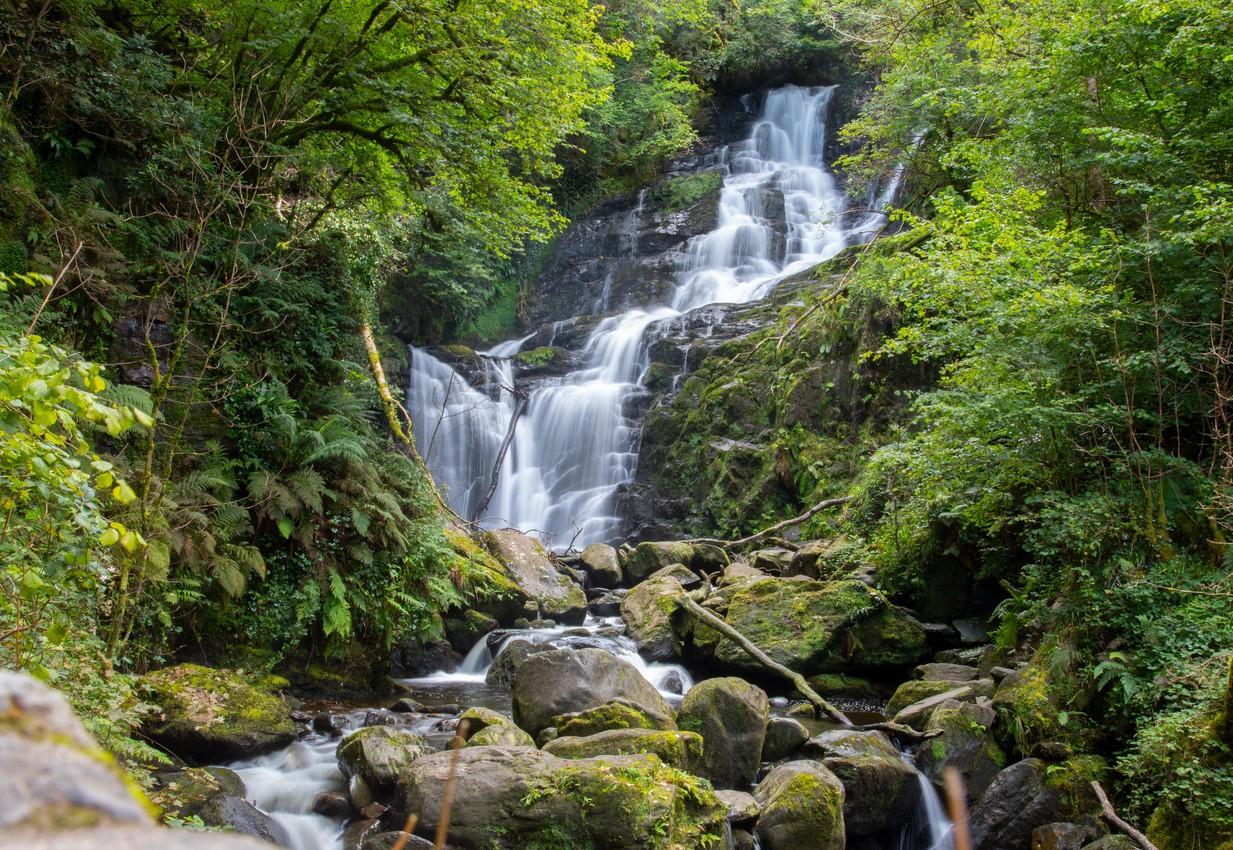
(780, 211)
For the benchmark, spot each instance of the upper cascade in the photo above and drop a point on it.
(780, 211)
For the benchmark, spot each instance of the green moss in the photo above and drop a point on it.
(915, 691)
(679, 193)
(537, 358)
(840, 684)
(677, 749)
(220, 702)
(13, 257)
(617, 714)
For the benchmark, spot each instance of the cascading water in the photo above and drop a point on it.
(780, 211)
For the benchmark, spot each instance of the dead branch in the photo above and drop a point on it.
(1107, 812)
(520, 404)
(787, 523)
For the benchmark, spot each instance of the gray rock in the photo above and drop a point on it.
(731, 716)
(971, 633)
(650, 557)
(742, 808)
(378, 755)
(743, 839)
(566, 680)
(607, 605)
(808, 556)
(802, 806)
(1112, 842)
(406, 705)
(390, 840)
(127, 837)
(774, 560)
(601, 563)
(917, 714)
(1064, 836)
(682, 750)
(647, 611)
(784, 736)
(966, 744)
(531, 567)
(239, 815)
(709, 559)
(332, 804)
(1015, 803)
(882, 790)
(504, 667)
(939, 672)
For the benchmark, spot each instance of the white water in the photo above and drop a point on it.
(285, 784)
(931, 829)
(779, 212)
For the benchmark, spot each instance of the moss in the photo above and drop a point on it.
(1072, 779)
(679, 193)
(840, 684)
(915, 691)
(617, 714)
(13, 257)
(677, 749)
(537, 358)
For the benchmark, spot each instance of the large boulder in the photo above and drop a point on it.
(373, 758)
(566, 680)
(184, 793)
(682, 750)
(917, 690)
(881, 788)
(486, 728)
(966, 744)
(127, 837)
(616, 714)
(1030, 794)
(802, 806)
(212, 715)
(814, 627)
(784, 736)
(530, 566)
(236, 814)
(504, 668)
(730, 714)
(602, 565)
(647, 611)
(650, 557)
(510, 798)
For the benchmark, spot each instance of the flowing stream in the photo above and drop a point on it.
(780, 211)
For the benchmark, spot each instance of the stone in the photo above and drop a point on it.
(842, 685)
(739, 570)
(413, 657)
(616, 714)
(802, 805)
(709, 558)
(731, 716)
(682, 750)
(647, 611)
(742, 807)
(774, 560)
(1064, 836)
(971, 633)
(917, 714)
(1113, 842)
(510, 798)
(531, 567)
(501, 736)
(128, 837)
(332, 804)
(743, 839)
(359, 831)
(602, 565)
(378, 755)
(211, 715)
(966, 744)
(504, 667)
(649, 557)
(809, 557)
(1015, 803)
(814, 627)
(390, 840)
(607, 605)
(464, 630)
(183, 793)
(937, 672)
(784, 736)
(881, 789)
(479, 718)
(566, 680)
(406, 705)
(238, 815)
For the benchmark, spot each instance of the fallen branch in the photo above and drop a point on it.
(520, 405)
(898, 730)
(787, 523)
(1107, 812)
(712, 620)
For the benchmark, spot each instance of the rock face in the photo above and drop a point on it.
(682, 750)
(731, 716)
(210, 716)
(802, 808)
(647, 611)
(486, 727)
(784, 736)
(814, 627)
(617, 714)
(376, 756)
(966, 744)
(510, 798)
(533, 570)
(1018, 800)
(648, 558)
(61, 790)
(566, 680)
(881, 789)
(600, 562)
(505, 666)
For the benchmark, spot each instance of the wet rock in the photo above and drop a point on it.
(743, 839)
(672, 683)
(742, 807)
(648, 558)
(128, 837)
(682, 750)
(465, 630)
(566, 680)
(647, 611)
(966, 744)
(774, 560)
(841, 685)
(390, 840)
(809, 558)
(359, 831)
(731, 716)
(505, 666)
(211, 715)
(530, 566)
(184, 793)
(486, 727)
(938, 672)
(813, 627)
(784, 736)
(617, 714)
(971, 633)
(601, 563)
(332, 804)
(1021, 798)
(378, 755)
(802, 806)
(607, 605)
(239, 815)
(406, 705)
(881, 788)
(542, 624)
(413, 657)
(1064, 836)
(510, 798)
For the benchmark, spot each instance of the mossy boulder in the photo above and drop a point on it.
(561, 681)
(966, 744)
(515, 798)
(1029, 703)
(843, 685)
(802, 806)
(916, 690)
(210, 715)
(602, 565)
(373, 758)
(650, 557)
(485, 727)
(1030, 794)
(682, 750)
(784, 736)
(501, 597)
(465, 629)
(814, 627)
(647, 611)
(731, 715)
(184, 793)
(881, 788)
(558, 596)
(505, 666)
(616, 714)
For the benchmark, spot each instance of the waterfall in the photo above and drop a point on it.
(780, 211)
